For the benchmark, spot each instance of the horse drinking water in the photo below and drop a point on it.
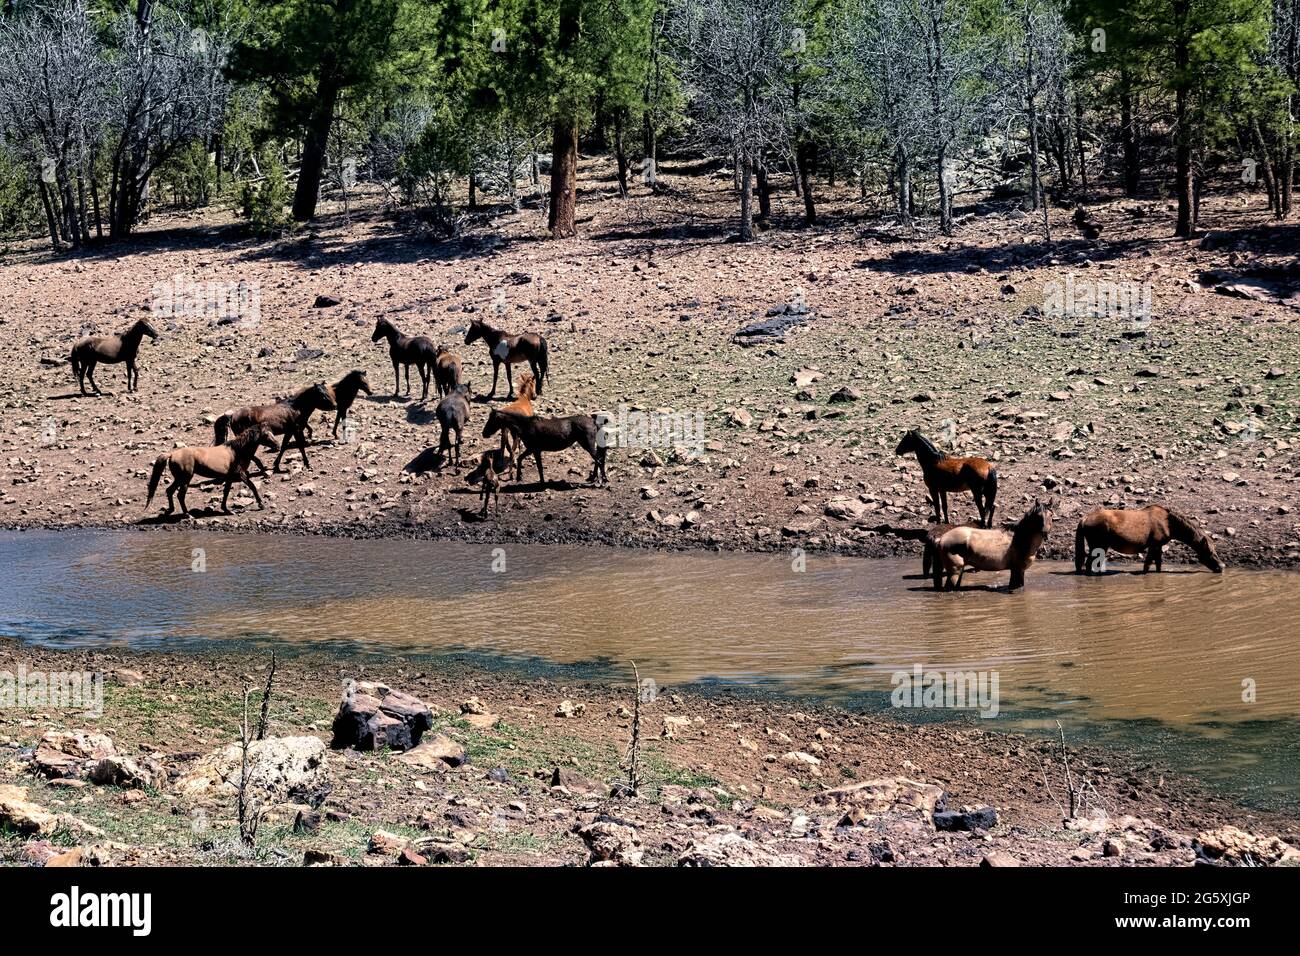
(943, 474)
(1140, 531)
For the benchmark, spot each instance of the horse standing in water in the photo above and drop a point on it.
(987, 550)
(1142, 530)
(407, 350)
(109, 349)
(510, 350)
(944, 473)
(226, 462)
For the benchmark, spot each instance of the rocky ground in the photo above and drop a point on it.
(1196, 407)
(524, 771)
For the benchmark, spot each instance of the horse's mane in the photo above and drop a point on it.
(248, 436)
(1026, 525)
(1177, 520)
(930, 446)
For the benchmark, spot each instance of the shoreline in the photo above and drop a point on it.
(771, 769)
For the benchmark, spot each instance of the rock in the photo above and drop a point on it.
(845, 394)
(472, 706)
(279, 768)
(888, 795)
(611, 843)
(568, 708)
(75, 857)
(17, 813)
(369, 722)
(436, 753)
(1229, 846)
(1112, 848)
(124, 677)
(672, 725)
(846, 509)
(985, 818)
(573, 781)
(124, 772)
(307, 821)
(325, 302)
(322, 858)
(409, 857)
(732, 849)
(805, 377)
(741, 418)
(71, 753)
(386, 843)
(998, 858)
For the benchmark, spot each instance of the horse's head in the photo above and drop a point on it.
(358, 378)
(474, 332)
(527, 386)
(1197, 540)
(382, 327)
(143, 327)
(494, 424)
(911, 441)
(1038, 519)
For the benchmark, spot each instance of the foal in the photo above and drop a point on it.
(550, 434)
(492, 465)
(287, 418)
(406, 350)
(1141, 530)
(988, 550)
(510, 349)
(225, 462)
(110, 349)
(943, 473)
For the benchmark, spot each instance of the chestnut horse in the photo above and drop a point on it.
(987, 550)
(109, 349)
(226, 462)
(287, 418)
(1142, 530)
(550, 434)
(510, 349)
(522, 405)
(407, 350)
(944, 473)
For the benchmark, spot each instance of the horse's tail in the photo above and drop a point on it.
(990, 496)
(221, 429)
(1080, 549)
(159, 464)
(542, 364)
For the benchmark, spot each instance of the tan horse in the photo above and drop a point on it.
(987, 550)
(943, 474)
(227, 463)
(510, 350)
(1140, 531)
(109, 349)
(522, 405)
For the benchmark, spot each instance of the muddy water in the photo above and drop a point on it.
(1156, 663)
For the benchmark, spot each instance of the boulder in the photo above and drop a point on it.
(1229, 846)
(118, 771)
(573, 781)
(437, 753)
(732, 849)
(279, 768)
(18, 813)
(387, 718)
(985, 818)
(611, 843)
(887, 795)
(71, 753)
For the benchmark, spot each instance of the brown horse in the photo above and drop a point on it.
(550, 434)
(109, 349)
(522, 405)
(452, 413)
(987, 550)
(225, 462)
(944, 474)
(510, 349)
(492, 465)
(407, 350)
(446, 371)
(1142, 530)
(344, 392)
(287, 418)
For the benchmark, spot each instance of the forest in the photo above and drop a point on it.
(112, 110)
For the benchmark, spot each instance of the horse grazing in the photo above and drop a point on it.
(987, 550)
(407, 350)
(109, 349)
(550, 434)
(287, 418)
(510, 349)
(446, 371)
(492, 465)
(224, 462)
(453, 413)
(344, 392)
(1137, 531)
(944, 474)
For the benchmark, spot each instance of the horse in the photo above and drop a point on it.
(110, 349)
(510, 349)
(492, 464)
(287, 418)
(446, 371)
(944, 473)
(226, 462)
(407, 350)
(550, 434)
(522, 405)
(987, 550)
(453, 413)
(344, 392)
(1140, 530)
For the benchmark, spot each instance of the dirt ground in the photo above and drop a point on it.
(1194, 405)
(724, 780)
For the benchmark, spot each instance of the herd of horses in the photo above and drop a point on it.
(949, 550)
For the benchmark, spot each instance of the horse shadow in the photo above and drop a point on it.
(163, 518)
(63, 398)
(420, 413)
(426, 461)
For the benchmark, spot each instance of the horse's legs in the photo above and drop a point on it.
(129, 386)
(171, 499)
(496, 370)
(510, 382)
(182, 487)
(397, 380)
(302, 447)
(90, 374)
(424, 379)
(225, 497)
(253, 488)
(1155, 554)
(457, 447)
(540, 477)
(1017, 579)
(943, 500)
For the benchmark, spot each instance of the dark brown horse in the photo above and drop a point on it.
(984, 549)
(446, 372)
(452, 413)
(109, 349)
(344, 392)
(286, 418)
(407, 350)
(944, 473)
(510, 350)
(550, 434)
(1140, 531)
(492, 466)
(226, 462)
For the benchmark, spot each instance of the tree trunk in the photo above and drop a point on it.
(315, 145)
(1128, 134)
(564, 179)
(903, 185)
(50, 218)
(764, 193)
(620, 156)
(746, 199)
(807, 158)
(1183, 174)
